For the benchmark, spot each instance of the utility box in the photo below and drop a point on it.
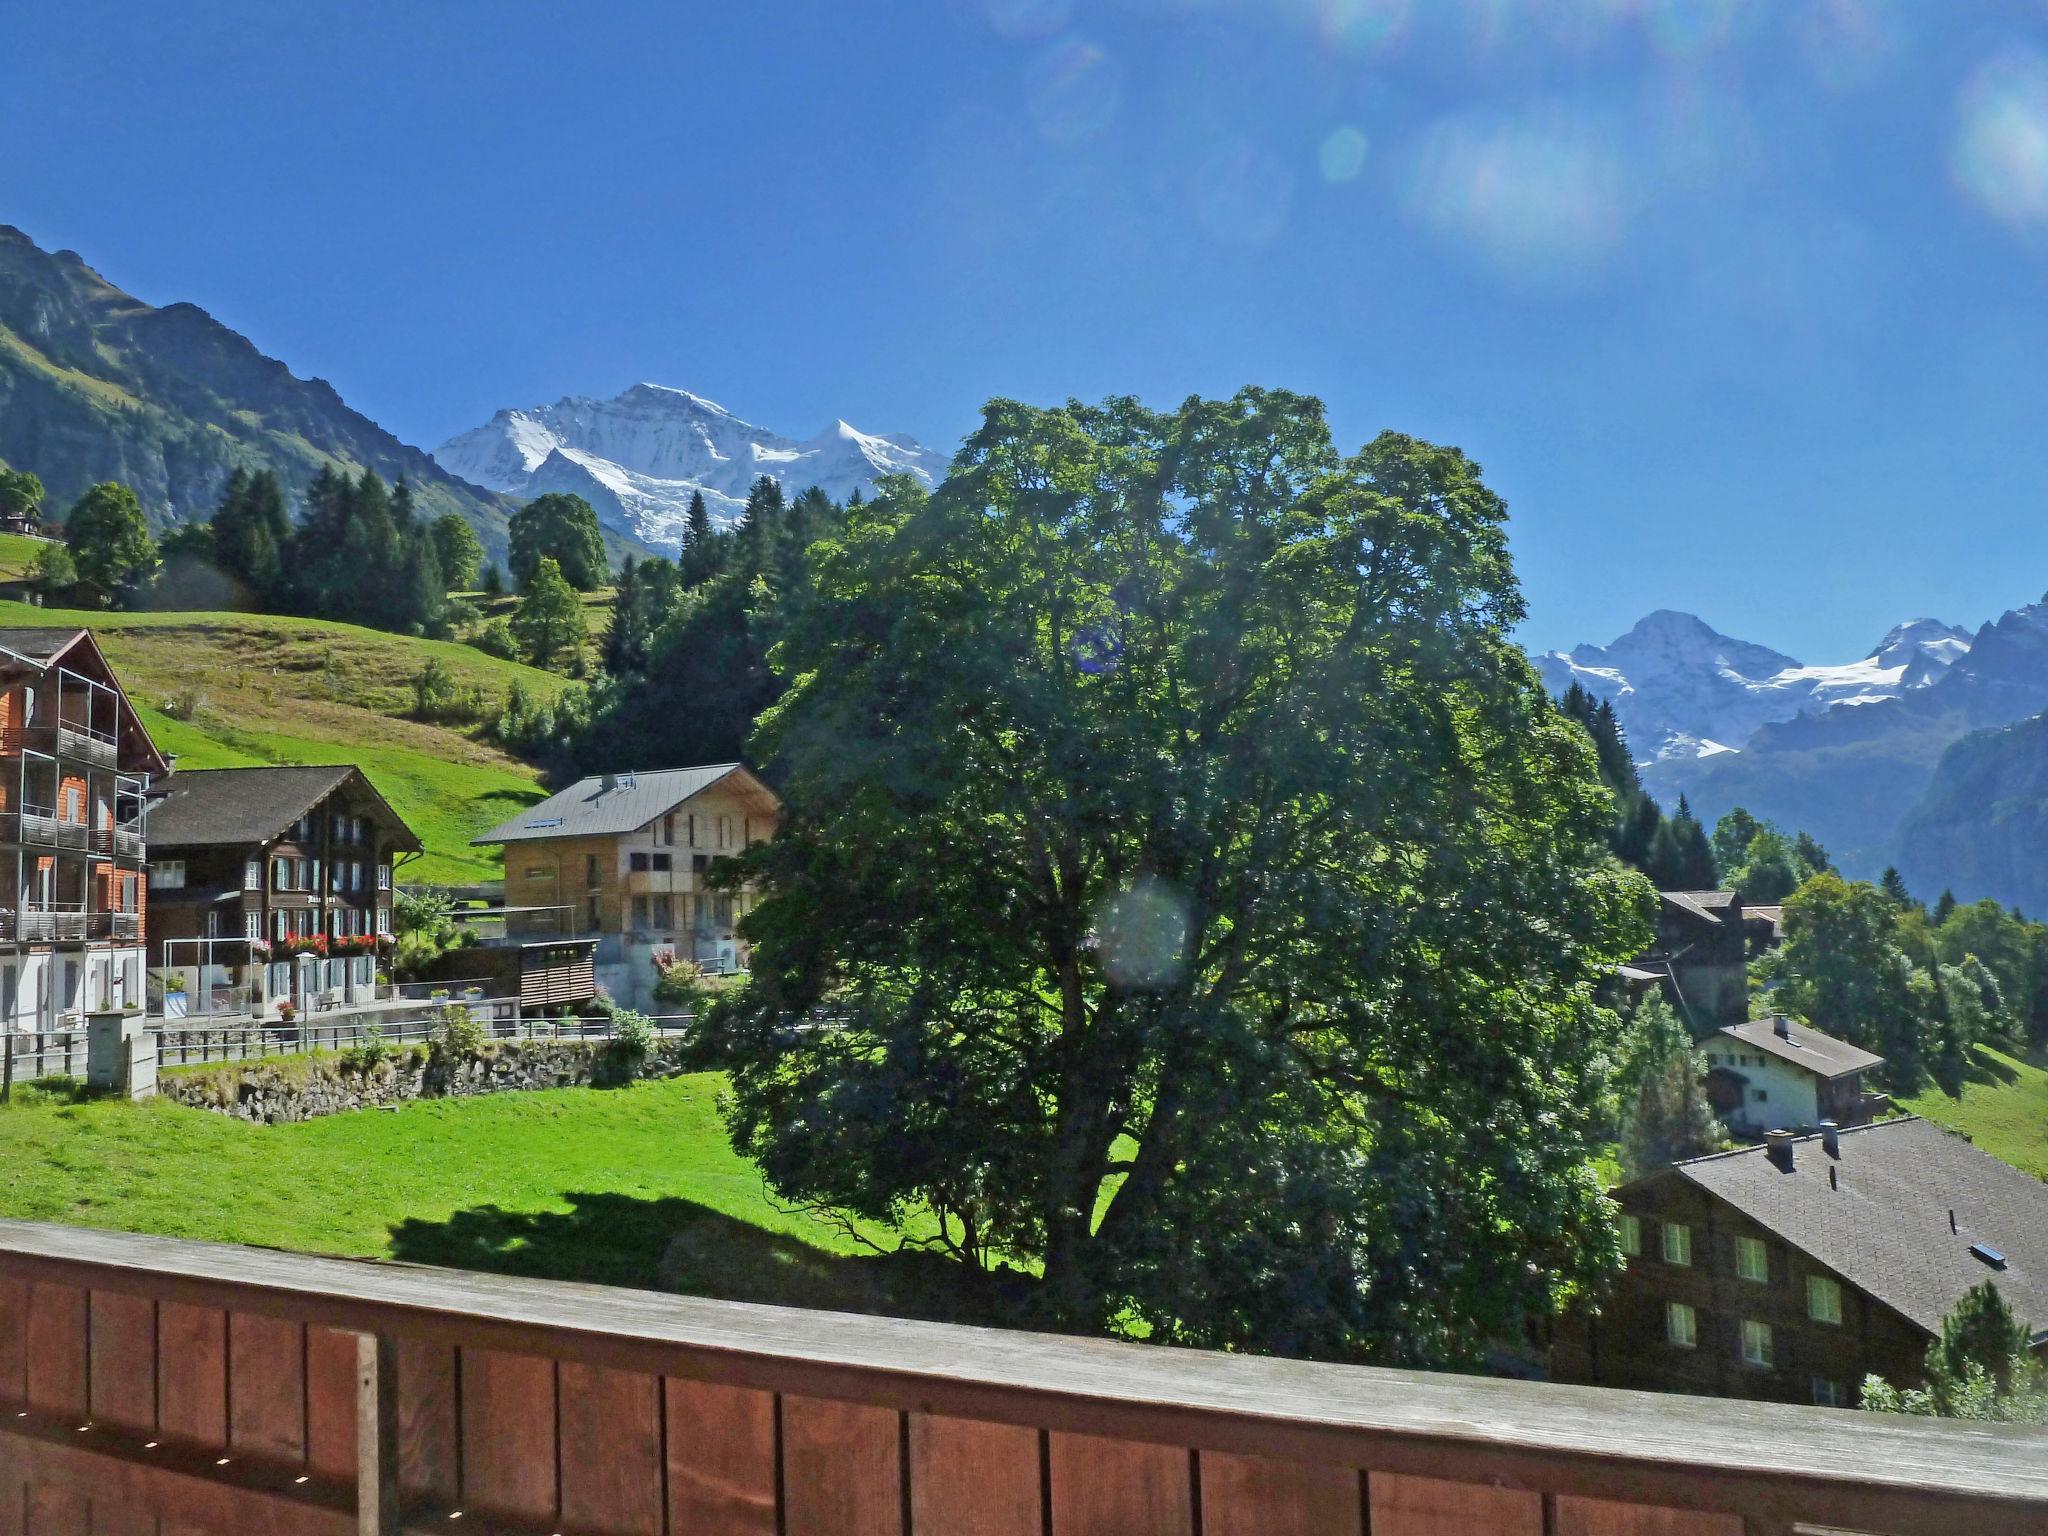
(120, 1054)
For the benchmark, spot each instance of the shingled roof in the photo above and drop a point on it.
(1803, 1047)
(1883, 1222)
(214, 807)
(606, 805)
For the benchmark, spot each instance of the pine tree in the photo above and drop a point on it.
(1944, 908)
(626, 639)
(1893, 884)
(760, 526)
(1665, 1114)
(701, 555)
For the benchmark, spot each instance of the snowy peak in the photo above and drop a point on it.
(640, 456)
(1683, 690)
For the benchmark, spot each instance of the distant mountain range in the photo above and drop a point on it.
(97, 385)
(1928, 753)
(638, 458)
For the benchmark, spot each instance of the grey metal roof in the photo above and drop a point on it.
(213, 807)
(605, 804)
(1803, 1047)
(1883, 1225)
(1708, 906)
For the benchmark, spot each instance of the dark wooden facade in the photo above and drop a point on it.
(1627, 1344)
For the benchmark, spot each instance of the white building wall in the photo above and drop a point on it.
(1778, 1096)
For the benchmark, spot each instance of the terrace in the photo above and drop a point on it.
(244, 1390)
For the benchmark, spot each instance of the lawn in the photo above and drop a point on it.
(2003, 1108)
(232, 689)
(627, 1186)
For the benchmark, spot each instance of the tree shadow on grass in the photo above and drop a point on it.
(679, 1245)
(1987, 1070)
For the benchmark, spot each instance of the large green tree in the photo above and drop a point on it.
(549, 619)
(251, 529)
(1982, 1367)
(1214, 898)
(562, 528)
(108, 537)
(21, 493)
(460, 551)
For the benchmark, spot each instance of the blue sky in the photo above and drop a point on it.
(1742, 304)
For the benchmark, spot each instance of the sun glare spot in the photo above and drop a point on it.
(1343, 154)
(1073, 92)
(1142, 936)
(1533, 193)
(2000, 155)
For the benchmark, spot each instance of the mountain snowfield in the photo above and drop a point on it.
(1683, 690)
(638, 457)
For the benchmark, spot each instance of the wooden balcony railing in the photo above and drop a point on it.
(237, 1390)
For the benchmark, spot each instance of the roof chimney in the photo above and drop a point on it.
(1778, 1148)
(1831, 1138)
(1783, 1027)
(1952, 1218)
(607, 783)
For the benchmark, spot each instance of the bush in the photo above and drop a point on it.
(459, 1036)
(496, 639)
(368, 1054)
(632, 1035)
(680, 983)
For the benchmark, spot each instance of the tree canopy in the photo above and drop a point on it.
(460, 551)
(562, 528)
(108, 537)
(1215, 899)
(549, 619)
(1982, 1367)
(21, 492)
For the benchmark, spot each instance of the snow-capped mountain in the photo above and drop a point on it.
(637, 458)
(1683, 690)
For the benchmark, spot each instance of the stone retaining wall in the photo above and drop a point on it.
(292, 1088)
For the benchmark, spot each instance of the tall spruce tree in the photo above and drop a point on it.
(700, 558)
(629, 634)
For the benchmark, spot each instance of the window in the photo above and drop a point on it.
(252, 875)
(1677, 1243)
(1828, 1394)
(1752, 1260)
(590, 869)
(668, 830)
(725, 831)
(383, 919)
(700, 864)
(1681, 1325)
(167, 875)
(1756, 1343)
(693, 829)
(661, 914)
(279, 925)
(384, 876)
(252, 925)
(637, 862)
(1632, 1235)
(533, 872)
(640, 912)
(661, 863)
(280, 874)
(1823, 1299)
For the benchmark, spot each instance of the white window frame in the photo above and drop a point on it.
(252, 874)
(1681, 1325)
(1824, 1299)
(1632, 1235)
(1753, 1260)
(1677, 1243)
(1828, 1393)
(161, 872)
(1758, 1347)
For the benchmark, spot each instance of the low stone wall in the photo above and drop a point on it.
(286, 1089)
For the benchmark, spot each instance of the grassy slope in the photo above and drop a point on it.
(2003, 1108)
(630, 1186)
(17, 552)
(268, 689)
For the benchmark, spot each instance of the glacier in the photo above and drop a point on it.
(638, 457)
(1684, 691)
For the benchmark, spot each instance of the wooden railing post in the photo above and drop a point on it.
(377, 1503)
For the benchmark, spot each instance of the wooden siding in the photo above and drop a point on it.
(165, 1386)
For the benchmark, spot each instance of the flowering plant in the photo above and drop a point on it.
(259, 949)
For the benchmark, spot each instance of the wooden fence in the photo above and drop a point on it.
(172, 1388)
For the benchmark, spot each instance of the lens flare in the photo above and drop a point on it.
(1073, 92)
(1343, 154)
(1533, 194)
(1687, 26)
(1243, 194)
(1365, 25)
(1029, 18)
(2000, 155)
(1142, 936)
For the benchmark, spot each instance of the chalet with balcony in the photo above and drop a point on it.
(75, 766)
(1791, 1270)
(626, 859)
(271, 886)
(1777, 1074)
